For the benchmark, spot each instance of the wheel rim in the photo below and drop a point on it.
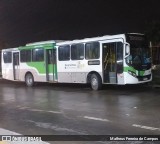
(94, 82)
(29, 80)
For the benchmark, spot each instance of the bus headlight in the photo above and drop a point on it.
(132, 73)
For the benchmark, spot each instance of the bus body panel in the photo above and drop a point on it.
(25, 68)
(75, 71)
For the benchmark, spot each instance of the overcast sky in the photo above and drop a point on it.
(24, 21)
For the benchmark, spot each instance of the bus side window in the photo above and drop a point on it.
(92, 50)
(77, 51)
(7, 57)
(64, 53)
(38, 55)
(25, 55)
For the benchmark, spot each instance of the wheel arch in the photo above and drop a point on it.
(28, 72)
(90, 74)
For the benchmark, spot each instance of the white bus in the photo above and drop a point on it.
(116, 59)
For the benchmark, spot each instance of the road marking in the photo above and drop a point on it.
(145, 127)
(22, 107)
(53, 112)
(10, 133)
(98, 119)
(7, 132)
(37, 110)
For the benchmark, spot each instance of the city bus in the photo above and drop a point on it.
(112, 59)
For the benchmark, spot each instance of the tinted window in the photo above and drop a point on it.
(92, 50)
(16, 58)
(64, 53)
(77, 52)
(25, 55)
(51, 56)
(37, 55)
(7, 57)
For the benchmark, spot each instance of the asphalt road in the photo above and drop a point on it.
(61, 109)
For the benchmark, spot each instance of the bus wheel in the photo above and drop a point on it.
(29, 80)
(96, 82)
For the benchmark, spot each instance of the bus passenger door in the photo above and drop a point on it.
(113, 62)
(109, 63)
(16, 69)
(51, 65)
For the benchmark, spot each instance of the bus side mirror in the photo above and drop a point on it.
(127, 50)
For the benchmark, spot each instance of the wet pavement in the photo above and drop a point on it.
(61, 109)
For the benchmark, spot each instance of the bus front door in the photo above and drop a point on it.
(113, 62)
(16, 70)
(51, 65)
(109, 63)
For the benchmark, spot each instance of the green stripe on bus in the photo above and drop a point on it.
(126, 69)
(140, 73)
(40, 67)
(45, 46)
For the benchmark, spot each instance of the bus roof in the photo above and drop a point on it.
(100, 38)
(43, 42)
(9, 49)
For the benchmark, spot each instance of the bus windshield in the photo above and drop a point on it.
(140, 56)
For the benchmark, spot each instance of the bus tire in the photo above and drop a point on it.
(29, 80)
(96, 82)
